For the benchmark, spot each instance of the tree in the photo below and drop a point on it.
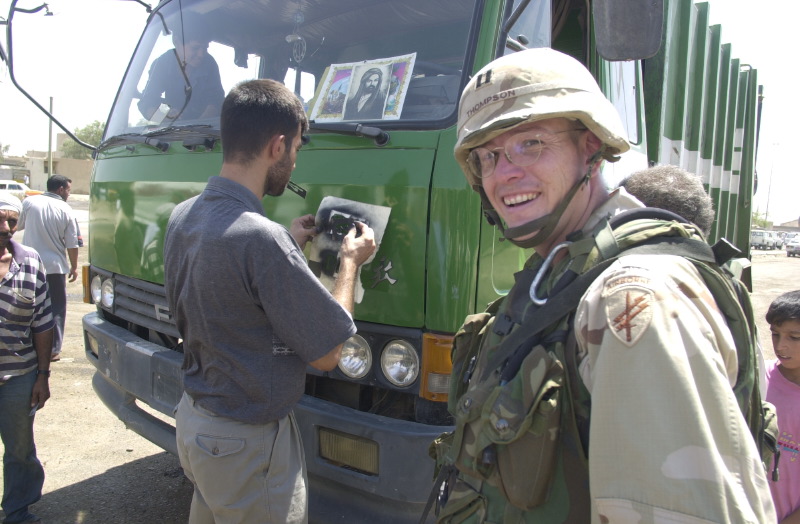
(91, 134)
(3, 150)
(759, 221)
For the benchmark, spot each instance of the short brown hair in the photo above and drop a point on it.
(253, 113)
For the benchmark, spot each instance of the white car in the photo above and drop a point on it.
(18, 189)
(793, 247)
(760, 239)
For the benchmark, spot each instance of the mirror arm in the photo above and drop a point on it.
(10, 61)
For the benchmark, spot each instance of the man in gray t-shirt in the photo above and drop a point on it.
(252, 317)
(51, 229)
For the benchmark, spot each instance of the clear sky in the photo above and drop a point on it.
(78, 57)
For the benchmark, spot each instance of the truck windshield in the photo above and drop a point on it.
(394, 64)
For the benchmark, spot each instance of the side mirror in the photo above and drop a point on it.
(628, 29)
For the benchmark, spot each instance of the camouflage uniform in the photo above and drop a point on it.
(668, 441)
(647, 355)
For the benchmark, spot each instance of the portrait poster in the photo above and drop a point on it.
(368, 90)
(334, 220)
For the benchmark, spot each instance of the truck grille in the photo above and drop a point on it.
(144, 304)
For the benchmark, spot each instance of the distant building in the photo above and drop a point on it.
(792, 225)
(13, 168)
(37, 165)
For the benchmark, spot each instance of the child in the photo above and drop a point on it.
(783, 390)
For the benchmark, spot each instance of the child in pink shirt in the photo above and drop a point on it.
(783, 390)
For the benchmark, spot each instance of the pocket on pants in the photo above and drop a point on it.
(219, 446)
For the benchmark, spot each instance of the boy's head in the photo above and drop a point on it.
(785, 307)
(784, 323)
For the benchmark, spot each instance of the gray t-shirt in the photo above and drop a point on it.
(50, 229)
(250, 311)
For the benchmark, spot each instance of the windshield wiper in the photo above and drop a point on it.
(192, 136)
(133, 138)
(181, 130)
(380, 136)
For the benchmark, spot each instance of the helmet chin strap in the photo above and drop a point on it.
(544, 225)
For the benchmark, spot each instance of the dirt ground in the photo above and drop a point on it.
(99, 472)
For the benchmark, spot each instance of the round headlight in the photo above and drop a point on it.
(400, 363)
(95, 288)
(107, 293)
(356, 358)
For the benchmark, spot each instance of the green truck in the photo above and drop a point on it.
(367, 425)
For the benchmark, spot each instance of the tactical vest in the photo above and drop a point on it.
(522, 412)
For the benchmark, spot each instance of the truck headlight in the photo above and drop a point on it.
(356, 358)
(400, 363)
(96, 292)
(107, 293)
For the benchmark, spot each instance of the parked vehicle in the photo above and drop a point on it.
(793, 247)
(366, 433)
(762, 239)
(18, 189)
(778, 240)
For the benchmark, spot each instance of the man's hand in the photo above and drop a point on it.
(303, 229)
(358, 245)
(72, 254)
(41, 392)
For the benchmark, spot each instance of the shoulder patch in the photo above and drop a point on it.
(628, 302)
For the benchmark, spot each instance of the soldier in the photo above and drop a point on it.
(618, 405)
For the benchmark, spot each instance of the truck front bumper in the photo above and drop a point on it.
(132, 370)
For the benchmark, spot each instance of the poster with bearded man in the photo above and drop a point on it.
(370, 90)
(367, 96)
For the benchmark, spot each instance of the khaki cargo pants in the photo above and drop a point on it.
(242, 473)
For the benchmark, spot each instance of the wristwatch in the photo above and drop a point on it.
(45, 372)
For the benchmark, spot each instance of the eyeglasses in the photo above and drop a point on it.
(522, 149)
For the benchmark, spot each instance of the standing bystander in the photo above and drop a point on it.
(252, 316)
(26, 332)
(783, 390)
(52, 231)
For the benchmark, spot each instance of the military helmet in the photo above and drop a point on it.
(531, 85)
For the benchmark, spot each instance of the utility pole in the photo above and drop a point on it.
(769, 187)
(50, 145)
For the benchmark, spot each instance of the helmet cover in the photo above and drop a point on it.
(531, 85)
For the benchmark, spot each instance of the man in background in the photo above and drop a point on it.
(674, 189)
(188, 65)
(52, 231)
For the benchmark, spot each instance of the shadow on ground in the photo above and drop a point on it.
(145, 491)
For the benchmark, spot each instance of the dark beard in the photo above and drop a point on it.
(278, 175)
